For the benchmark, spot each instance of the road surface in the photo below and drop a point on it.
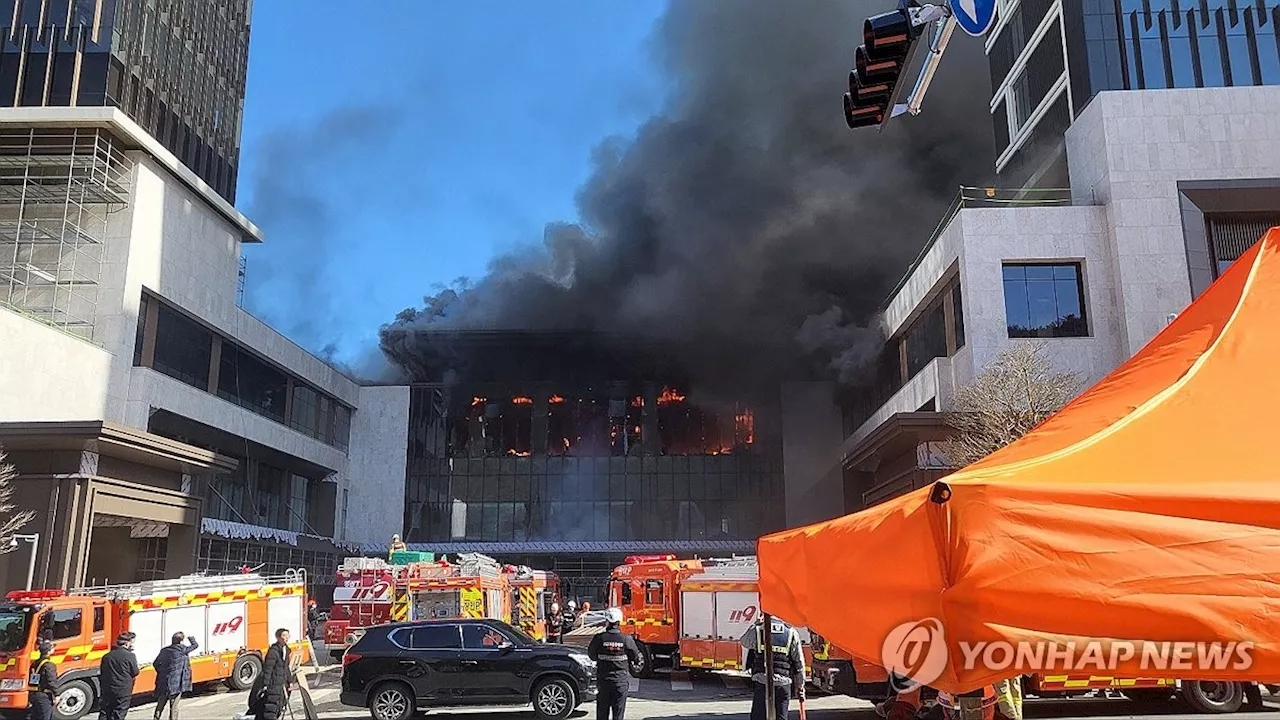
(676, 697)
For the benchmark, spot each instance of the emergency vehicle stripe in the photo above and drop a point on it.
(400, 607)
(84, 652)
(174, 601)
(722, 586)
(710, 663)
(648, 621)
(1067, 682)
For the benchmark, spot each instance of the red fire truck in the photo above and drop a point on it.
(361, 599)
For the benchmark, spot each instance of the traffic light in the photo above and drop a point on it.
(889, 43)
(878, 64)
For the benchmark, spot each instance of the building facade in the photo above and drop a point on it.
(119, 325)
(1049, 58)
(175, 67)
(1168, 187)
(537, 452)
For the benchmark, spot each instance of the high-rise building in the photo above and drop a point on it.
(1049, 59)
(176, 67)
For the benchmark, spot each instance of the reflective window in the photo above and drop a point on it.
(482, 637)
(431, 637)
(183, 348)
(247, 381)
(66, 624)
(1044, 300)
(653, 592)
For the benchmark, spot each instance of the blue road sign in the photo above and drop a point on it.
(974, 16)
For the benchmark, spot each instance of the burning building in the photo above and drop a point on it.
(570, 452)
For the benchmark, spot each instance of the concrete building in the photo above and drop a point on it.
(1167, 188)
(175, 68)
(1049, 58)
(127, 370)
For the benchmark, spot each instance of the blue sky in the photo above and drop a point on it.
(394, 145)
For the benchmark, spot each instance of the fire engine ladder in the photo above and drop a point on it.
(192, 584)
(479, 565)
(357, 564)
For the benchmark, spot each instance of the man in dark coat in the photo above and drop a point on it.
(613, 651)
(270, 694)
(173, 673)
(118, 671)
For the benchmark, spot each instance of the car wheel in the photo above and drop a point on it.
(75, 699)
(1206, 696)
(642, 666)
(244, 672)
(554, 699)
(392, 701)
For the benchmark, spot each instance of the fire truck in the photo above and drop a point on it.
(689, 613)
(361, 599)
(836, 671)
(370, 592)
(532, 593)
(232, 617)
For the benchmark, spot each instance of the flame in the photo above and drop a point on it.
(519, 453)
(522, 400)
(566, 443)
(638, 401)
(745, 426)
(477, 400)
(669, 396)
(555, 400)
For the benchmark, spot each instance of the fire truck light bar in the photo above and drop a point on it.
(637, 559)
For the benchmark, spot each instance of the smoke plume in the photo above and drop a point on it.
(744, 225)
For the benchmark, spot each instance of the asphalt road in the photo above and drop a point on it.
(679, 697)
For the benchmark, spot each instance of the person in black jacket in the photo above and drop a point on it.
(555, 624)
(44, 681)
(173, 673)
(613, 652)
(118, 671)
(270, 693)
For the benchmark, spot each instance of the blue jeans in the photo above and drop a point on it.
(781, 701)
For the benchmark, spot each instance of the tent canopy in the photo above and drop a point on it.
(1148, 509)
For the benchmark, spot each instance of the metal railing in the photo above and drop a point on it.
(984, 197)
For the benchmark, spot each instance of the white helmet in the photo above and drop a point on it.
(613, 615)
(573, 605)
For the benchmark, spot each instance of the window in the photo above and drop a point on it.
(99, 619)
(183, 348)
(626, 594)
(1044, 300)
(957, 306)
(432, 637)
(653, 592)
(482, 637)
(926, 338)
(252, 383)
(66, 624)
(305, 411)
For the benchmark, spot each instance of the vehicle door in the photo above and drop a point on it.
(71, 627)
(430, 657)
(493, 663)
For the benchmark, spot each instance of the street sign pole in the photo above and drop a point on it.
(770, 707)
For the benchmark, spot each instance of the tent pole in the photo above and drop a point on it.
(770, 707)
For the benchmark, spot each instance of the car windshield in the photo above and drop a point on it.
(15, 624)
(520, 636)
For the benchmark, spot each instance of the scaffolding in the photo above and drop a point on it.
(59, 188)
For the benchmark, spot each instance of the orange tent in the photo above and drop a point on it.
(1148, 509)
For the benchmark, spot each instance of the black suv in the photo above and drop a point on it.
(396, 669)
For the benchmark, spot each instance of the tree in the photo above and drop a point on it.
(1016, 392)
(10, 521)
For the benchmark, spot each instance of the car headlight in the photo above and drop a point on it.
(583, 660)
(13, 684)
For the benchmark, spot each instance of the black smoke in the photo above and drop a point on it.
(744, 227)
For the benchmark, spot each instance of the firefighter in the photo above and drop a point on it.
(580, 621)
(40, 687)
(613, 652)
(787, 672)
(397, 545)
(1009, 698)
(555, 623)
(570, 616)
